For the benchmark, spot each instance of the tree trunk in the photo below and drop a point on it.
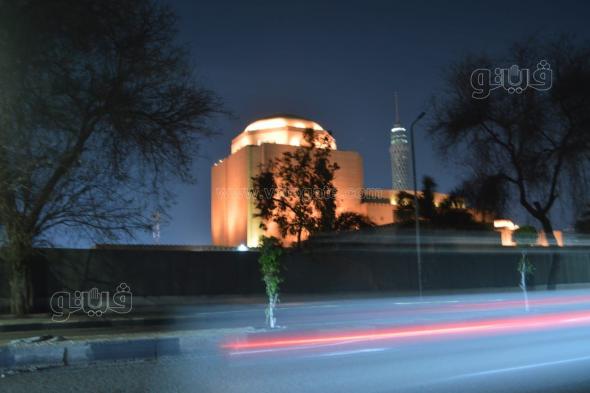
(523, 273)
(272, 302)
(18, 259)
(555, 257)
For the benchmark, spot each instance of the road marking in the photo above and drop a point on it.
(431, 302)
(313, 347)
(517, 368)
(303, 305)
(345, 353)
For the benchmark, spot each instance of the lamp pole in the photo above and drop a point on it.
(416, 208)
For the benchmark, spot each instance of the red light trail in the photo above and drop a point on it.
(505, 325)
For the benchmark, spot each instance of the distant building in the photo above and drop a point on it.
(232, 208)
(401, 164)
(506, 228)
(400, 155)
(160, 247)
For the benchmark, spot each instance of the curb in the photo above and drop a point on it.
(123, 322)
(66, 353)
(71, 353)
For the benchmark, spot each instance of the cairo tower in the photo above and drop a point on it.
(399, 152)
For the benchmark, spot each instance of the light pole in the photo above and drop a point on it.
(416, 208)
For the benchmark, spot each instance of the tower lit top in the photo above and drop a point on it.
(399, 154)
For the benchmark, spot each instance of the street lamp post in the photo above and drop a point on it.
(416, 208)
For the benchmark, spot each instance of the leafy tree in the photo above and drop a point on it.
(348, 221)
(426, 201)
(487, 194)
(450, 214)
(291, 190)
(297, 191)
(525, 236)
(583, 223)
(405, 207)
(427, 207)
(534, 139)
(98, 110)
(323, 181)
(452, 201)
(270, 267)
(456, 218)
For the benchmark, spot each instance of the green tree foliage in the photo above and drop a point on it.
(525, 236)
(271, 270)
(457, 218)
(325, 202)
(297, 191)
(405, 207)
(583, 223)
(487, 194)
(290, 189)
(426, 201)
(98, 111)
(348, 221)
(450, 214)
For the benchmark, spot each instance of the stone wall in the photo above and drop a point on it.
(337, 269)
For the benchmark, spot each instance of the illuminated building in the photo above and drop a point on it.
(232, 207)
(506, 228)
(399, 153)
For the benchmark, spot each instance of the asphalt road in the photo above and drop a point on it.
(454, 344)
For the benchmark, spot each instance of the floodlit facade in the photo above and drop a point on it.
(506, 228)
(232, 207)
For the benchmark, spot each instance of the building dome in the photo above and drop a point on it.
(281, 130)
(281, 121)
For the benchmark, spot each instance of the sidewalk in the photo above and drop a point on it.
(168, 326)
(43, 352)
(162, 311)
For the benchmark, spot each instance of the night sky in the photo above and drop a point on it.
(339, 64)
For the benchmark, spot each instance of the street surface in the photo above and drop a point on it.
(456, 343)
